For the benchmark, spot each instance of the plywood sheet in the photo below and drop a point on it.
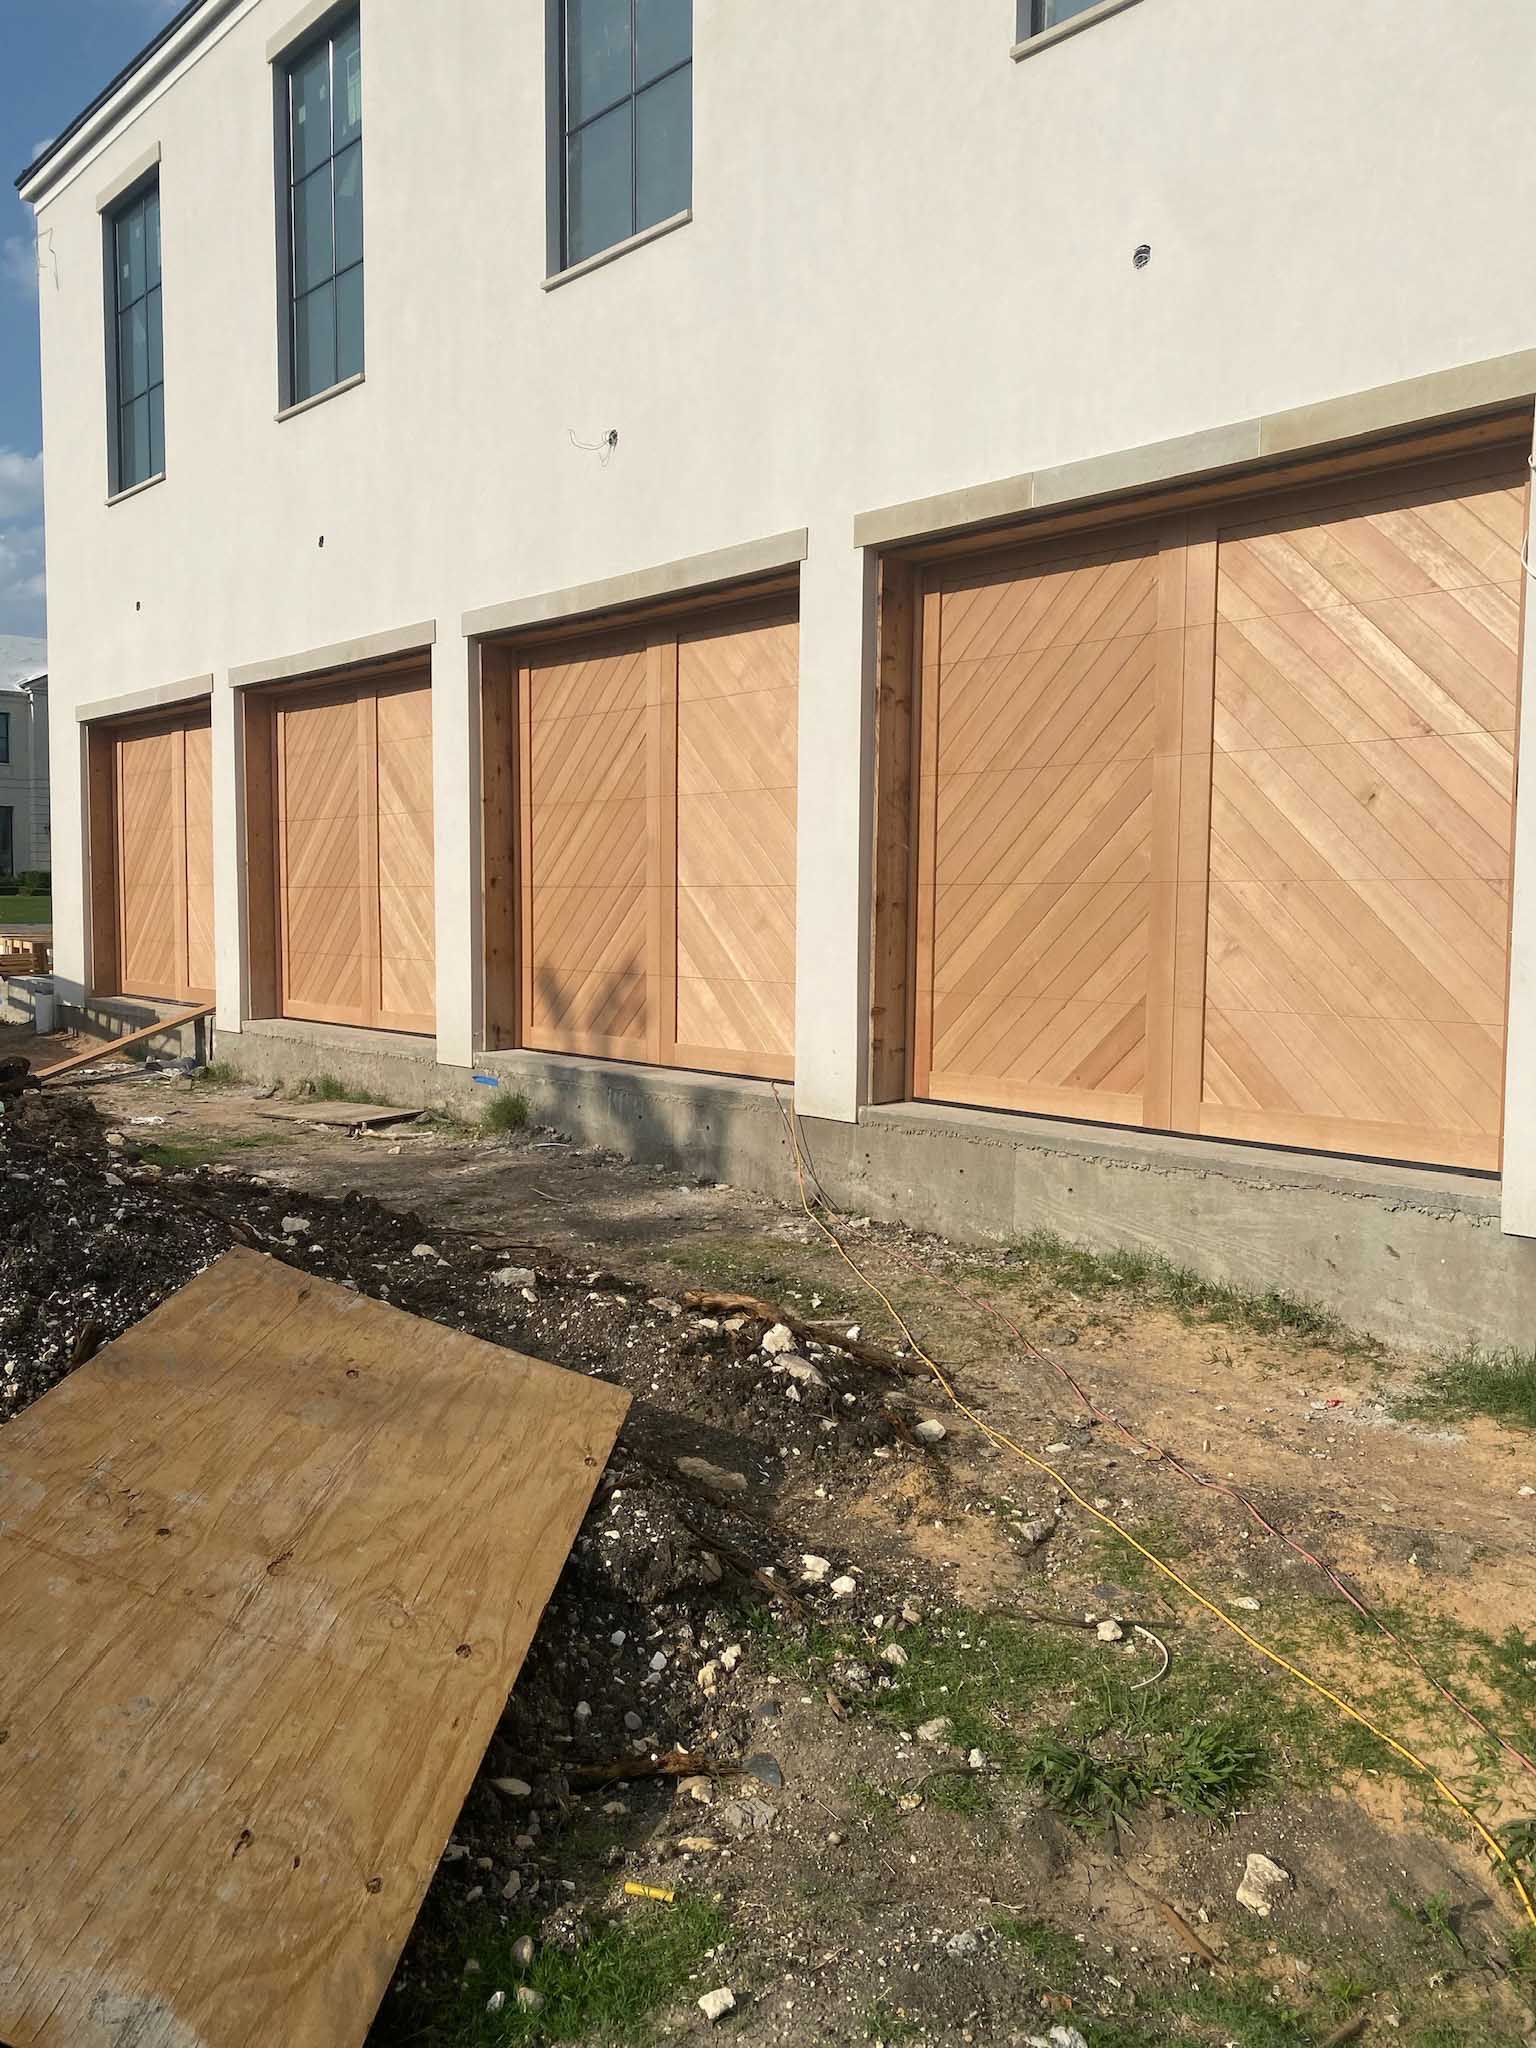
(269, 1567)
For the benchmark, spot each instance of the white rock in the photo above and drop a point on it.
(296, 1226)
(709, 1677)
(814, 1571)
(1264, 1881)
(976, 1761)
(513, 1885)
(911, 1613)
(1111, 1632)
(618, 1639)
(930, 1432)
(716, 2004)
(496, 2002)
(659, 1661)
(1247, 1602)
(700, 1790)
(528, 2000)
(713, 1476)
(844, 1588)
(730, 1657)
(1058, 2037)
(514, 1276)
(522, 1951)
(1038, 1529)
(778, 1340)
(583, 1710)
(965, 1944)
(1526, 1492)
(801, 1371)
(935, 1730)
(424, 1251)
(894, 1655)
(514, 1788)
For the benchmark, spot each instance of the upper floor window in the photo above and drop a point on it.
(1036, 16)
(323, 187)
(626, 120)
(5, 736)
(136, 352)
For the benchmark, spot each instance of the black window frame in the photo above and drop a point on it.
(5, 739)
(560, 131)
(1034, 17)
(8, 842)
(336, 22)
(114, 219)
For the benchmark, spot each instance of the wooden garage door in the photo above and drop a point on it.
(1215, 819)
(162, 809)
(354, 849)
(657, 843)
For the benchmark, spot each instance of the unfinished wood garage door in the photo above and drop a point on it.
(152, 859)
(353, 805)
(656, 804)
(1215, 819)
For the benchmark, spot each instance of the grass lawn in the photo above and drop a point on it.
(26, 909)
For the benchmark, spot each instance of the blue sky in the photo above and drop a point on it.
(55, 56)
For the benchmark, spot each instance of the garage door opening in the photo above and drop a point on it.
(151, 858)
(1212, 819)
(340, 853)
(640, 790)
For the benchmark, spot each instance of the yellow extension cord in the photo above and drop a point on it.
(1495, 1848)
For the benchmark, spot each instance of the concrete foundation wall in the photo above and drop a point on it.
(1415, 1258)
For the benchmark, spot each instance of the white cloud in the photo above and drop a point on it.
(22, 576)
(21, 485)
(18, 264)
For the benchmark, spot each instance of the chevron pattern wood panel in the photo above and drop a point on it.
(150, 945)
(199, 822)
(657, 803)
(1036, 885)
(1362, 801)
(163, 836)
(322, 805)
(355, 855)
(407, 900)
(589, 984)
(737, 735)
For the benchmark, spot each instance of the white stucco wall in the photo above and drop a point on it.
(909, 270)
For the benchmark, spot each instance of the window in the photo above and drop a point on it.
(5, 736)
(625, 113)
(1036, 16)
(322, 120)
(136, 353)
(7, 840)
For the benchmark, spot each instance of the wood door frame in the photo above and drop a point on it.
(906, 572)
(506, 817)
(103, 848)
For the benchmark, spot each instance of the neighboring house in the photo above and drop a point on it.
(965, 556)
(25, 845)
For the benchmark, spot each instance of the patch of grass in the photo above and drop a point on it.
(330, 1088)
(1246, 2015)
(957, 1792)
(1501, 1384)
(506, 1111)
(881, 2023)
(26, 910)
(1055, 1953)
(176, 1153)
(606, 1987)
(218, 1074)
(1147, 1278)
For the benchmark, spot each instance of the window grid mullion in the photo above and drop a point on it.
(634, 125)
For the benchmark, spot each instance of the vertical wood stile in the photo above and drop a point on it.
(1194, 854)
(931, 602)
(368, 853)
(1167, 798)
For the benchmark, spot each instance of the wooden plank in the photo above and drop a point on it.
(896, 660)
(346, 1116)
(104, 1052)
(405, 857)
(498, 843)
(244, 1712)
(199, 866)
(101, 829)
(263, 923)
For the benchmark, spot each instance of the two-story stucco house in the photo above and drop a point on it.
(26, 843)
(959, 562)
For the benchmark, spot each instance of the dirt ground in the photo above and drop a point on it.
(935, 1801)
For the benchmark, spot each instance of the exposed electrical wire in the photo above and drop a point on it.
(604, 449)
(1002, 1441)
